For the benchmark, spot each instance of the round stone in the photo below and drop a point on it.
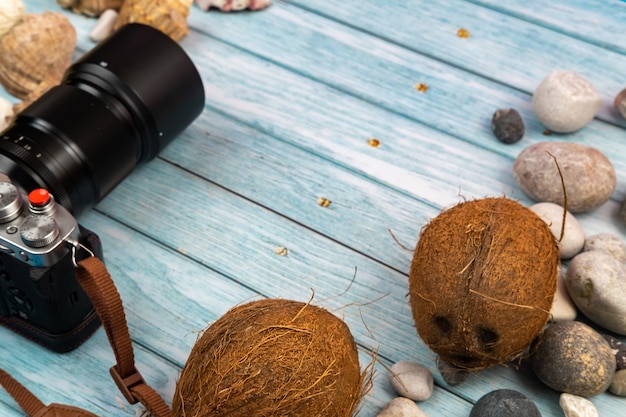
(607, 242)
(619, 349)
(507, 125)
(575, 406)
(620, 102)
(597, 284)
(504, 403)
(588, 175)
(618, 386)
(563, 308)
(571, 357)
(573, 236)
(565, 102)
(401, 407)
(411, 380)
(451, 374)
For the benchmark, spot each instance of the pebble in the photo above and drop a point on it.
(620, 102)
(618, 386)
(451, 374)
(575, 406)
(411, 380)
(565, 102)
(574, 235)
(563, 308)
(571, 357)
(104, 25)
(588, 174)
(401, 407)
(607, 242)
(507, 125)
(597, 284)
(504, 403)
(6, 112)
(619, 349)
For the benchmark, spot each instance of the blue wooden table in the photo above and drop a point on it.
(295, 95)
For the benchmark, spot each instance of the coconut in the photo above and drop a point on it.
(482, 281)
(272, 358)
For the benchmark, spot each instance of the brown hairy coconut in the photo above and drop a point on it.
(272, 358)
(482, 281)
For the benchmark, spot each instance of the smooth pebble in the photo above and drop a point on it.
(572, 357)
(563, 308)
(565, 102)
(597, 284)
(505, 403)
(589, 176)
(507, 125)
(104, 25)
(6, 112)
(607, 242)
(618, 386)
(574, 235)
(619, 349)
(576, 406)
(401, 407)
(450, 373)
(411, 380)
(620, 102)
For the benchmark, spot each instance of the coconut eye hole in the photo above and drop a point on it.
(487, 338)
(443, 324)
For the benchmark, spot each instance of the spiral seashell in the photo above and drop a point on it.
(168, 16)
(39, 47)
(233, 5)
(11, 11)
(90, 7)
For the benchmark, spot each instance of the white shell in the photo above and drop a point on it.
(11, 11)
(233, 5)
(104, 26)
(6, 113)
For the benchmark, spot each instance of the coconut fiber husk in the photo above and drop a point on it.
(482, 281)
(272, 358)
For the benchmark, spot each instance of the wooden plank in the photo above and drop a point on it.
(596, 21)
(500, 47)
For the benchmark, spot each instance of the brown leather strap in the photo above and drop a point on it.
(93, 276)
(20, 394)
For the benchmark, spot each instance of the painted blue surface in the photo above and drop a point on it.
(294, 93)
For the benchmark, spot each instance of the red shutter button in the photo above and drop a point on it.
(39, 197)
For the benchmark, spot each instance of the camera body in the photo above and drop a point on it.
(38, 248)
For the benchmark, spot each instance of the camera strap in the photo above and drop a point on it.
(94, 278)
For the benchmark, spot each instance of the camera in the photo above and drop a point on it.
(117, 107)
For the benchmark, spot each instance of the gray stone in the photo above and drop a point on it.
(411, 380)
(618, 386)
(620, 102)
(565, 102)
(619, 349)
(575, 406)
(597, 284)
(401, 407)
(607, 242)
(588, 175)
(572, 357)
(507, 125)
(573, 236)
(504, 403)
(563, 308)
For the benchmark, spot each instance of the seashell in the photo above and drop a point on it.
(6, 113)
(168, 16)
(11, 11)
(40, 46)
(90, 7)
(233, 5)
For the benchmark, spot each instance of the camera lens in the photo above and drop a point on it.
(118, 106)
